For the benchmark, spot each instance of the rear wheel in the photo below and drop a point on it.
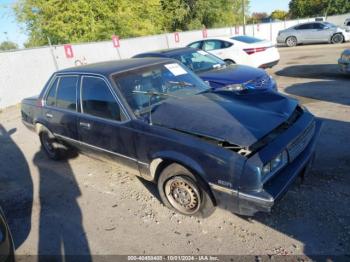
(50, 145)
(181, 191)
(337, 39)
(291, 41)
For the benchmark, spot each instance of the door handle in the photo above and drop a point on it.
(48, 115)
(85, 125)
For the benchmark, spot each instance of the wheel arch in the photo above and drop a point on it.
(158, 164)
(337, 33)
(285, 40)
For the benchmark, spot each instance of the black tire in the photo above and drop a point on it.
(291, 41)
(181, 191)
(50, 145)
(337, 38)
(229, 62)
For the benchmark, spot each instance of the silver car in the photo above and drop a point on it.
(312, 32)
(344, 61)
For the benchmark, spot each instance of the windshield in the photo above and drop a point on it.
(329, 24)
(143, 88)
(199, 61)
(246, 39)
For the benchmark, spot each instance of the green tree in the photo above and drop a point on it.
(72, 21)
(8, 45)
(309, 8)
(257, 17)
(87, 20)
(279, 14)
(195, 14)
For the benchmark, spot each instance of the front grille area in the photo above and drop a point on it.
(260, 83)
(301, 142)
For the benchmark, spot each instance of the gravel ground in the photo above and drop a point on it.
(92, 207)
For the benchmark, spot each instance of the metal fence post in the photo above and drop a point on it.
(52, 54)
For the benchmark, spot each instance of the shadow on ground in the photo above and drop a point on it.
(323, 71)
(61, 231)
(16, 187)
(329, 91)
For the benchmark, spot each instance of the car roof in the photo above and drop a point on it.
(115, 66)
(167, 52)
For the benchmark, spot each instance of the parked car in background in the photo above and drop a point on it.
(202, 147)
(216, 72)
(344, 61)
(347, 25)
(6, 242)
(313, 32)
(243, 50)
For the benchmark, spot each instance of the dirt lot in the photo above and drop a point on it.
(86, 206)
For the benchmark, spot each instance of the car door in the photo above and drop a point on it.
(103, 124)
(219, 48)
(60, 110)
(304, 32)
(321, 33)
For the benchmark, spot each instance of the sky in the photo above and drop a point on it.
(10, 30)
(268, 5)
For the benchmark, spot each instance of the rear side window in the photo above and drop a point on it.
(51, 97)
(196, 45)
(66, 95)
(212, 45)
(97, 99)
(304, 27)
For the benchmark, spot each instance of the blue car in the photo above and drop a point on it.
(216, 72)
(202, 147)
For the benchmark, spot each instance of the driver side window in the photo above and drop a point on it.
(97, 99)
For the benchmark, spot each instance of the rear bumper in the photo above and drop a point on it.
(249, 203)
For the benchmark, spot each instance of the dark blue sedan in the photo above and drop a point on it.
(216, 72)
(201, 146)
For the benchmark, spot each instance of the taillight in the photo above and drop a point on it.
(250, 51)
(40, 103)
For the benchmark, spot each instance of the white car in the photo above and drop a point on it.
(244, 50)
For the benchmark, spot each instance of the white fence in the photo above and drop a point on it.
(24, 72)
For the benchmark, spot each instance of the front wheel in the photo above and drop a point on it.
(291, 41)
(180, 190)
(337, 39)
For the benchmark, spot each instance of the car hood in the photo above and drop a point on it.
(226, 116)
(232, 74)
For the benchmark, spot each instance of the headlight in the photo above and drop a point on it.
(345, 57)
(274, 165)
(235, 87)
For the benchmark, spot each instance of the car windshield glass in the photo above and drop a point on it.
(246, 39)
(329, 24)
(143, 88)
(199, 61)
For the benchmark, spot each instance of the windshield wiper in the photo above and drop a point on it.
(150, 94)
(179, 83)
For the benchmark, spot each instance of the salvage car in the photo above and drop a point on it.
(6, 242)
(241, 49)
(216, 72)
(312, 32)
(202, 147)
(344, 61)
